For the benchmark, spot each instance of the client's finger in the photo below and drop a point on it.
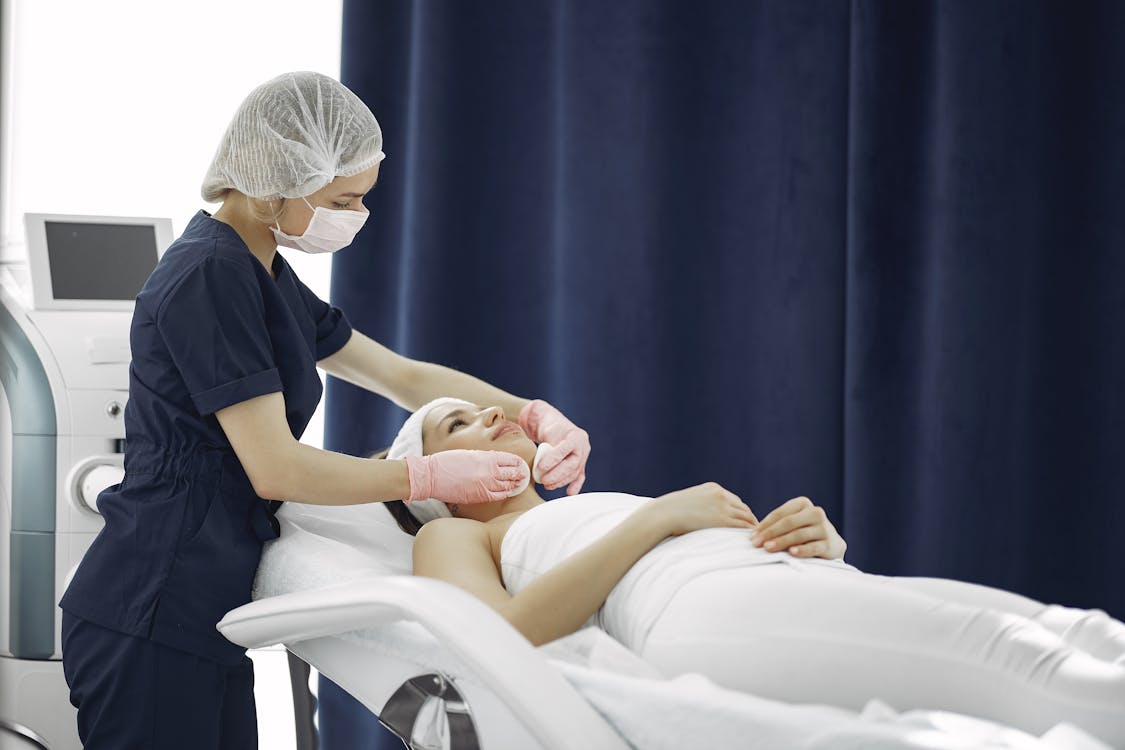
(812, 549)
(744, 508)
(746, 518)
(791, 506)
(803, 516)
(801, 535)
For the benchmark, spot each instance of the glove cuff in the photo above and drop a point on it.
(418, 469)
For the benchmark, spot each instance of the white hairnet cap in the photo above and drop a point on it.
(292, 136)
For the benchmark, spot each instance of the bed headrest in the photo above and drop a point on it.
(321, 544)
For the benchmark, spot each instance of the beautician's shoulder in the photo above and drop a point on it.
(202, 264)
(199, 275)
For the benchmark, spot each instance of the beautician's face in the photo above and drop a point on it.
(474, 428)
(342, 194)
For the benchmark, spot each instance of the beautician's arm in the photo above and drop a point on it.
(281, 468)
(409, 383)
(557, 603)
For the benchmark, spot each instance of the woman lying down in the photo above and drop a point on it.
(693, 582)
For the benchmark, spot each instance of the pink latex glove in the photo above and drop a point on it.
(466, 476)
(565, 462)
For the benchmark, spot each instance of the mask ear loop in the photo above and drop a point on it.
(278, 225)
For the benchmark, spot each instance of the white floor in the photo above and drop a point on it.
(274, 698)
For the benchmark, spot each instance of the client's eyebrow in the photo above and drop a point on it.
(450, 415)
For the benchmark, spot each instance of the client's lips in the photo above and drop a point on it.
(504, 429)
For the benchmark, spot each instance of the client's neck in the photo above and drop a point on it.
(526, 500)
(485, 512)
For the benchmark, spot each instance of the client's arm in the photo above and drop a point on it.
(557, 603)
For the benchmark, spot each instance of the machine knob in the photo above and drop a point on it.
(96, 479)
(113, 409)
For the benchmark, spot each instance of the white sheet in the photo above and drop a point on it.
(691, 711)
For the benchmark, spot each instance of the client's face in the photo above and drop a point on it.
(458, 426)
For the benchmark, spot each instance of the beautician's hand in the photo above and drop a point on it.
(704, 506)
(565, 462)
(462, 476)
(801, 527)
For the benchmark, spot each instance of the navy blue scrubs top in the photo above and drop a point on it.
(184, 529)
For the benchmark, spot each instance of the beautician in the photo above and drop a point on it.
(225, 344)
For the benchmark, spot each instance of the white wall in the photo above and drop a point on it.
(116, 107)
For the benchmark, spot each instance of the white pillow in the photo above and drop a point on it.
(321, 545)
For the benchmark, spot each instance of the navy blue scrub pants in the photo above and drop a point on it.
(133, 694)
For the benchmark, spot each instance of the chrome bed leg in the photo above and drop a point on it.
(427, 713)
(304, 703)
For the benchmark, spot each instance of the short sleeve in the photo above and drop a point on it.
(332, 327)
(214, 325)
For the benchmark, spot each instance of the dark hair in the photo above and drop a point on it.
(402, 515)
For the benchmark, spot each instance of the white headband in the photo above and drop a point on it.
(408, 442)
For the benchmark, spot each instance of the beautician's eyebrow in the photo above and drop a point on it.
(358, 195)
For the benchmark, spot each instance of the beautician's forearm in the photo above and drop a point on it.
(305, 474)
(408, 382)
(561, 600)
(429, 381)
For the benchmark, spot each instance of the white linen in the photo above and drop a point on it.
(691, 711)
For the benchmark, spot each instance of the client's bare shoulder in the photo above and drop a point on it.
(445, 541)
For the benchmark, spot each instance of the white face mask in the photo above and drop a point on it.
(328, 231)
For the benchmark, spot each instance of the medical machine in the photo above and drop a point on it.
(65, 313)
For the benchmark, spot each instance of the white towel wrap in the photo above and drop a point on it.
(548, 534)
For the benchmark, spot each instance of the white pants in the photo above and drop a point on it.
(815, 634)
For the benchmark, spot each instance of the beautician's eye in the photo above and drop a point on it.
(342, 205)
(456, 422)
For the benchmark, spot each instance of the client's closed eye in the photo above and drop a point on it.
(455, 423)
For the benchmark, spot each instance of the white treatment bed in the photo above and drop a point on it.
(443, 670)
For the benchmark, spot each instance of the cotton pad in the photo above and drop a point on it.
(535, 473)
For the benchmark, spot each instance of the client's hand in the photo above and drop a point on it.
(565, 462)
(461, 476)
(802, 527)
(704, 506)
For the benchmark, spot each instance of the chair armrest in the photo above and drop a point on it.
(498, 655)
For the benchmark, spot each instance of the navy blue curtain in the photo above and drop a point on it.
(868, 252)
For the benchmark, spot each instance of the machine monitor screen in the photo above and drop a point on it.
(92, 262)
(81, 254)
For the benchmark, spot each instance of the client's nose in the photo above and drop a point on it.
(492, 414)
